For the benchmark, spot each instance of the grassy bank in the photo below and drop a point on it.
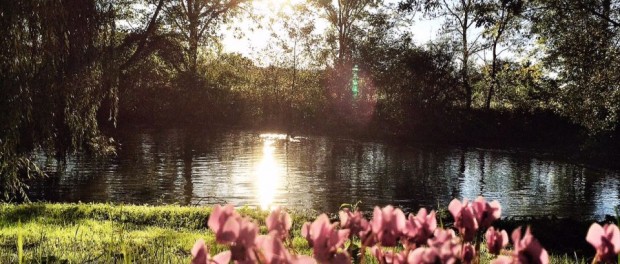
(105, 233)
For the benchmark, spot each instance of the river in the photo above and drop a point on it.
(321, 173)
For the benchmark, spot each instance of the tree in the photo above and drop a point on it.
(296, 42)
(142, 38)
(523, 86)
(501, 22)
(460, 18)
(409, 79)
(197, 20)
(343, 15)
(59, 77)
(582, 47)
(53, 81)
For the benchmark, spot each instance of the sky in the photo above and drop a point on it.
(254, 40)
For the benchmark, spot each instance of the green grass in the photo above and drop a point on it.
(105, 233)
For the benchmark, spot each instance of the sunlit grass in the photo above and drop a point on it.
(104, 233)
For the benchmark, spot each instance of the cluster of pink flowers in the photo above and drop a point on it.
(389, 236)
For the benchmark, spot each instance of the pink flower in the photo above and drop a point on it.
(219, 218)
(447, 245)
(503, 260)
(200, 255)
(388, 224)
(423, 255)
(468, 254)
(244, 242)
(527, 249)
(355, 222)
(340, 258)
(274, 252)
(441, 237)
(464, 219)
(486, 213)
(325, 240)
(444, 247)
(279, 222)
(606, 241)
(388, 257)
(420, 228)
(496, 240)
(231, 229)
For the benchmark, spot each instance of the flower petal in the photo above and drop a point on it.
(199, 252)
(222, 258)
(230, 231)
(595, 234)
(455, 207)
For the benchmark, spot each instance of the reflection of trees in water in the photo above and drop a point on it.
(188, 158)
(456, 187)
(350, 172)
(322, 173)
(481, 160)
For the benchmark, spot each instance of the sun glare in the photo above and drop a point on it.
(257, 32)
(268, 175)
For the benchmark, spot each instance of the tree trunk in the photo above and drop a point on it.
(493, 76)
(193, 54)
(464, 67)
(192, 15)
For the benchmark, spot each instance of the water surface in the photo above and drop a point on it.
(320, 173)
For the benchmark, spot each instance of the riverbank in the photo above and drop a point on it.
(106, 233)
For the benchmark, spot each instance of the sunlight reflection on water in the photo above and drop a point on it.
(320, 173)
(268, 173)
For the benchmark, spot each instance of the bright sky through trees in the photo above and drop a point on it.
(255, 32)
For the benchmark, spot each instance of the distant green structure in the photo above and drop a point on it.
(355, 81)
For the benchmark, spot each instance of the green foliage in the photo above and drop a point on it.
(521, 86)
(582, 50)
(415, 78)
(195, 22)
(53, 83)
(344, 18)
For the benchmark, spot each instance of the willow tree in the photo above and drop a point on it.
(52, 75)
(59, 77)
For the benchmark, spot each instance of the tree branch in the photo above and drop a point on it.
(149, 30)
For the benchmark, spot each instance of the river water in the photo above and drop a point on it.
(321, 173)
